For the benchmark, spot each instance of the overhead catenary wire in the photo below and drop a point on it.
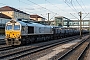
(84, 5)
(65, 1)
(27, 8)
(70, 2)
(43, 16)
(53, 16)
(44, 8)
(40, 6)
(57, 8)
(80, 5)
(69, 5)
(55, 5)
(2, 4)
(73, 6)
(86, 15)
(76, 9)
(74, 16)
(82, 8)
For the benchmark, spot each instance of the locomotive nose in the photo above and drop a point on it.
(12, 34)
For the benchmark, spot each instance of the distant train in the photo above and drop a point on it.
(21, 32)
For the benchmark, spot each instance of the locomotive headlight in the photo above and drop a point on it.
(7, 35)
(18, 36)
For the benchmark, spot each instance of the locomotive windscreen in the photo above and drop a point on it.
(9, 27)
(16, 27)
(30, 29)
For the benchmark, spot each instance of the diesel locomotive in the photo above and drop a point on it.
(19, 32)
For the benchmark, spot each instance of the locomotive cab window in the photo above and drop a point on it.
(9, 27)
(16, 27)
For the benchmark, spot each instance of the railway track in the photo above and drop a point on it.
(2, 41)
(76, 52)
(17, 53)
(6, 48)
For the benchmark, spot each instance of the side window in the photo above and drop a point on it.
(23, 28)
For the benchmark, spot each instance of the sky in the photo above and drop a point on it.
(66, 8)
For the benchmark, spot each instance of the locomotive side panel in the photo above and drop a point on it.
(41, 30)
(47, 30)
(36, 30)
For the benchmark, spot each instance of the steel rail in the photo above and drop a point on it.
(63, 56)
(16, 55)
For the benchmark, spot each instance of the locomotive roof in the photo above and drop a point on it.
(22, 23)
(31, 24)
(28, 23)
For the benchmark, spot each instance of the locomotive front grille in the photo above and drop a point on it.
(14, 34)
(12, 38)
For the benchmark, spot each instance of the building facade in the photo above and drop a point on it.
(3, 20)
(85, 24)
(65, 22)
(14, 13)
(62, 21)
(37, 18)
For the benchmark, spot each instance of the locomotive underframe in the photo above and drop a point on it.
(29, 39)
(35, 38)
(26, 39)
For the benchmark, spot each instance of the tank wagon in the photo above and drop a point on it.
(19, 32)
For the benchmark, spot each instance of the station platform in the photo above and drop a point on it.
(61, 48)
(88, 56)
